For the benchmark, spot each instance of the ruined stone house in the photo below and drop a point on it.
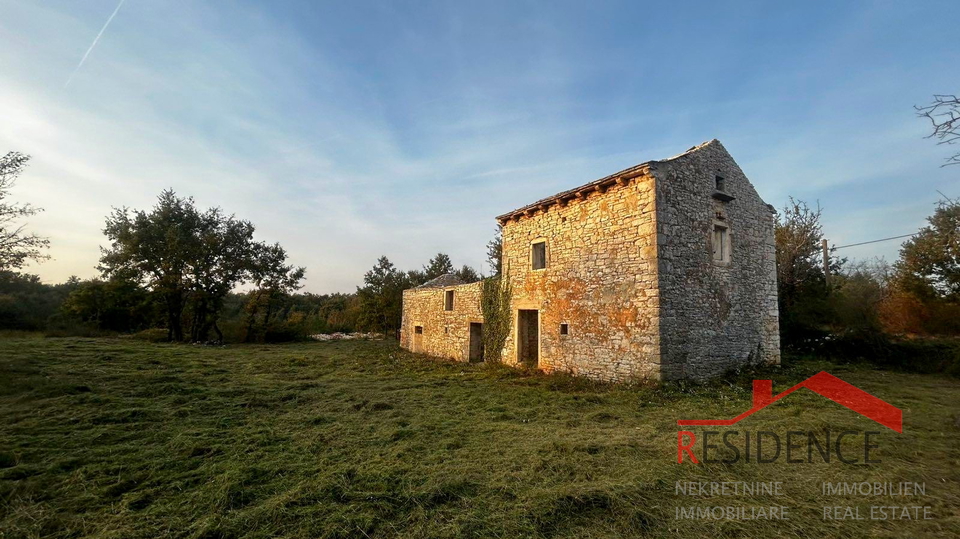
(664, 270)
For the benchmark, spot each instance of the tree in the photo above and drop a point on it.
(929, 265)
(190, 260)
(416, 277)
(861, 291)
(495, 252)
(225, 258)
(467, 274)
(381, 297)
(801, 282)
(798, 235)
(441, 265)
(16, 246)
(944, 116)
(274, 280)
(116, 305)
(156, 249)
(438, 265)
(27, 303)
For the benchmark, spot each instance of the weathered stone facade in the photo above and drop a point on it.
(600, 279)
(664, 270)
(443, 333)
(714, 315)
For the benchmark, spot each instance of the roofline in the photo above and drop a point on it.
(601, 185)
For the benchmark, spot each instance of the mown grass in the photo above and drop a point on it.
(120, 438)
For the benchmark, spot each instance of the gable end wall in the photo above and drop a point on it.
(715, 316)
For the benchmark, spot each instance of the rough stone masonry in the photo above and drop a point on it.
(664, 270)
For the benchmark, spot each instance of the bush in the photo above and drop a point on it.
(926, 356)
(63, 326)
(234, 330)
(26, 303)
(290, 329)
(904, 314)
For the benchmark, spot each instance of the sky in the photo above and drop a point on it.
(350, 130)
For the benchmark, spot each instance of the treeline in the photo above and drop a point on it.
(102, 307)
(381, 296)
(172, 273)
(175, 272)
(265, 314)
(887, 314)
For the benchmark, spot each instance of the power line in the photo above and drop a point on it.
(875, 241)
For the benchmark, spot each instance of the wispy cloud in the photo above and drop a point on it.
(344, 148)
(94, 44)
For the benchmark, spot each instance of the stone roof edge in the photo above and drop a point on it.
(421, 288)
(441, 281)
(597, 185)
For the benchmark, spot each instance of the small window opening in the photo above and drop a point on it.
(418, 330)
(720, 183)
(564, 329)
(448, 301)
(539, 255)
(721, 244)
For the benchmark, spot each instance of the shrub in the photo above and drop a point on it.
(63, 326)
(926, 356)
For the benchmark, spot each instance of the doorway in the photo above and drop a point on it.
(476, 342)
(418, 339)
(528, 336)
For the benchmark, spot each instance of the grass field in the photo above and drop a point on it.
(119, 438)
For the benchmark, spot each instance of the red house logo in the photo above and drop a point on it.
(824, 384)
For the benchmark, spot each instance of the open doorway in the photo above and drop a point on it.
(528, 336)
(476, 342)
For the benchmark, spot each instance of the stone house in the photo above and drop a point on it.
(664, 270)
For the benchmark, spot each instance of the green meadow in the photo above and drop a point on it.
(123, 438)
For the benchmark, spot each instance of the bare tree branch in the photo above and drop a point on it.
(944, 117)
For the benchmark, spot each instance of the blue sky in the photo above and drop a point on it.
(350, 130)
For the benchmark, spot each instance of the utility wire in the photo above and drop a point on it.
(875, 241)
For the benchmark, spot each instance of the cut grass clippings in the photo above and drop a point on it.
(123, 438)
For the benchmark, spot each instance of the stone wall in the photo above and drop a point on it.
(445, 333)
(631, 273)
(715, 315)
(600, 280)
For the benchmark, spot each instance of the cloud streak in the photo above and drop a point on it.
(344, 149)
(94, 44)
